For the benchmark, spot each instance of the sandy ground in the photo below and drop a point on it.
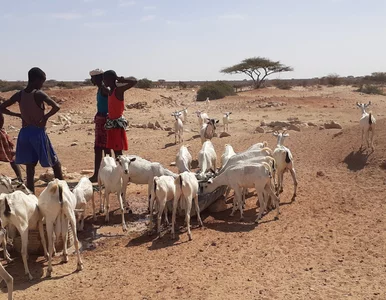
(328, 244)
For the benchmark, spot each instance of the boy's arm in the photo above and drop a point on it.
(43, 97)
(129, 83)
(9, 102)
(104, 90)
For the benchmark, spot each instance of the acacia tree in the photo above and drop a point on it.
(258, 68)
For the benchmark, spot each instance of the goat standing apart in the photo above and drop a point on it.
(110, 175)
(178, 128)
(225, 120)
(207, 159)
(186, 190)
(3, 273)
(367, 124)
(183, 160)
(242, 176)
(284, 162)
(184, 115)
(83, 192)
(208, 130)
(163, 190)
(22, 211)
(57, 204)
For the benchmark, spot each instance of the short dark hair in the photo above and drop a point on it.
(36, 73)
(110, 74)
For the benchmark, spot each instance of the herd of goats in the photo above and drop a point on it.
(57, 206)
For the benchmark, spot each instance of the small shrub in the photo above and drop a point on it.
(215, 90)
(370, 89)
(283, 85)
(182, 85)
(144, 84)
(66, 85)
(333, 80)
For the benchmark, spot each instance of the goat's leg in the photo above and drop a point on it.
(293, 173)
(24, 250)
(8, 280)
(151, 207)
(238, 197)
(3, 236)
(175, 204)
(161, 207)
(107, 198)
(274, 198)
(372, 136)
(281, 179)
(262, 204)
(64, 230)
(50, 233)
(227, 192)
(102, 204)
(71, 217)
(234, 204)
(363, 131)
(93, 207)
(43, 238)
(367, 138)
(198, 211)
(119, 195)
(166, 215)
(125, 182)
(188, 208)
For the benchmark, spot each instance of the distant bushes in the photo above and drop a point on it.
(11, 86)
(144, 84)
(282, 84)
(333, 80)
(215, 90)
(370, 89)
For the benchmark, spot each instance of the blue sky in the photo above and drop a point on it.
(190, 40)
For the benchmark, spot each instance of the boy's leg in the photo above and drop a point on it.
(57, 168)
(97, 162)
(107, 151)
(31, 177)
(17, 171)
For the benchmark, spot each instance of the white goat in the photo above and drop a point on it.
(207, 159)
(284, 162)
(183, 115)
(178, 127)
(202, 118)
(225, 120)
(242, 176)
(143, 171)
(58, 204)
(22, 211)
(163, 190)
(83, 192)
(186, 190)
(4, 275)
(367, 124)
(208, 130)
(183, 160)
(228, 153)
(110, 175)
(207, 101)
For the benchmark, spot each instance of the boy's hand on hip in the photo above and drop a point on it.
(43, 122)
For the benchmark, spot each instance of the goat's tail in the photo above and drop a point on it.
(287, 158)
(7, 210)
(180, 180)
(60, 194)
(273, 165)
(370, 119)
(155, 185)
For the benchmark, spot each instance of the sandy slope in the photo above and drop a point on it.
(329, 244)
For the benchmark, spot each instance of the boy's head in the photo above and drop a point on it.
(109, 78)
(36, 78)
(96, 77)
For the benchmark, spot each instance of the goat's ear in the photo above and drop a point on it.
(133, 159)
(265, 144)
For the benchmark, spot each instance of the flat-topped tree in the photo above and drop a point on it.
(258, 68)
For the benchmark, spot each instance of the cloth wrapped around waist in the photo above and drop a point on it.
(116, 123)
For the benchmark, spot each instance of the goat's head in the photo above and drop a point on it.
(212, 122)
(177, 114)
(198, 113)
(124, 162)
(227, 114)
(20, 186)
(363, 106)
(281, 136)
(6, 184)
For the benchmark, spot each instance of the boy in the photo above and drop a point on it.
(100, 121)
(33, 144)
(7, 153)
(116, 123)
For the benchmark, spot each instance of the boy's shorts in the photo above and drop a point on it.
(33, 145)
